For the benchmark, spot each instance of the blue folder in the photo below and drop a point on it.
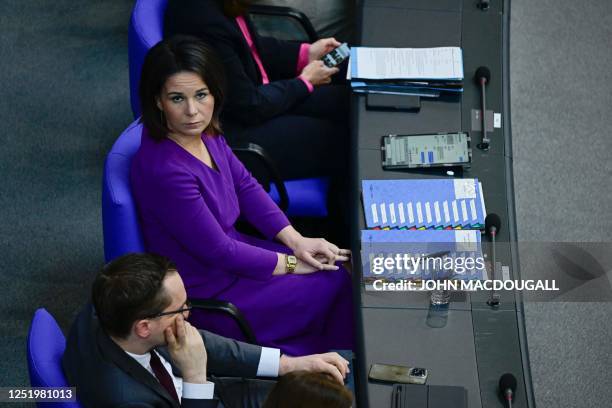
(423, 203)
(433, 243)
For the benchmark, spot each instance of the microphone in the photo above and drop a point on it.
(482, 78)
(507, 387)
(483, 5)
(492, 227)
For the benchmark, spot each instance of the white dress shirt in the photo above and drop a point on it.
(268, 366)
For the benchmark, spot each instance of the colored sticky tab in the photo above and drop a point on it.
(400, 210)
(455, 213)
(428, 213)
(410, 214)
(464, 212)
(383, 215)
(447, 218)
(392, 214)
(374, 214)
(437, 212)
(473, 210)
(419, 213)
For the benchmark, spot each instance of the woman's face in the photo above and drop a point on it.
(187, 104)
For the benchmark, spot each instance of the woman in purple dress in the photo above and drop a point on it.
(190, 189)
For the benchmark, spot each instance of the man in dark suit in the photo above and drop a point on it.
(133, 348)
(277, 91)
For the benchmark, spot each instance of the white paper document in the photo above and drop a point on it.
(442, 63)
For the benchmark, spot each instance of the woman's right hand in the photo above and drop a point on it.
(317, 73)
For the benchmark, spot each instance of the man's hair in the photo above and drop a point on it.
(302, 389)
(128, 289)
(180, 53)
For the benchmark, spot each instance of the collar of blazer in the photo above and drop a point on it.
(111, 352)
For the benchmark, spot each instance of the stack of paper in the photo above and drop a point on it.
(424, 204)
(421, 255)
(413, 71)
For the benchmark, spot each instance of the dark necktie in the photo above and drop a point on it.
(162, 375)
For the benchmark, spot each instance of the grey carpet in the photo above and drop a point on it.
(561, 91)
(65, 99)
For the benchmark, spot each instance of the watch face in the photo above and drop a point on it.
(291, 263)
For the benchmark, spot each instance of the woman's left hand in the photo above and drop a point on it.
(319, 48)
(318, 251)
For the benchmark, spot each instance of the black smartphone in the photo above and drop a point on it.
(337, 56)
(398, 374)
(427, 150)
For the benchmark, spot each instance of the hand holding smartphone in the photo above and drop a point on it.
(336, 56)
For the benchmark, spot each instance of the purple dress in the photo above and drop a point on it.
(187, 213)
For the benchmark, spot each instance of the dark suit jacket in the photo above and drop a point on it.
(248, 101)
(105, 376)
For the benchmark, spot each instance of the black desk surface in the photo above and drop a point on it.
(478, 344)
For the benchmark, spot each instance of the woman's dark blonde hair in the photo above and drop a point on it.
(302, 389)
(169, 57)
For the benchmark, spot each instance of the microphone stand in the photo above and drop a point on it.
(494, 297)
(484, 145)
(509, 398)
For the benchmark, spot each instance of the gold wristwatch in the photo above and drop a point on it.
(290, 263)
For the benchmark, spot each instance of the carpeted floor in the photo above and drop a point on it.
(64, 101)
(561, 90)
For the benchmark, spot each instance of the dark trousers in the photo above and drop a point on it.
(242, 392)
(309, 141)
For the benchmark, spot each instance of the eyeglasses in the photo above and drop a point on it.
(186, 308)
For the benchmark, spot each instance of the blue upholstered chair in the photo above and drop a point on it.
(298, 198)
(145, 30)
(46, 345)
(120, 223)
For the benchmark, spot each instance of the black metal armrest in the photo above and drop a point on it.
(259, 163)
(228, 308)
(287, 12)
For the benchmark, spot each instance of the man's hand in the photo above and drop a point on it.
(319, 48)
(317, 73)
(331, 363)
(187, 350)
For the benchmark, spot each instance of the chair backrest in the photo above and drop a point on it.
(146, 29)
(120, 223)
(46, 345)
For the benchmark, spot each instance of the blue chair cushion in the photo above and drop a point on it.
(46, 345)
(307, 197)
(145, 30)
(120, 223)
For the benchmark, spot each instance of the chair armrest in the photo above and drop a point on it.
(255, 158)
(228, 308)
(287, 12)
